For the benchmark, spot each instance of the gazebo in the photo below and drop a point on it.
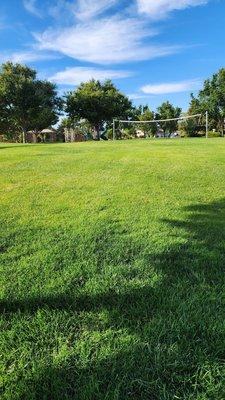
(48, 135)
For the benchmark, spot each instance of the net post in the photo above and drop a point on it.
(206, 124)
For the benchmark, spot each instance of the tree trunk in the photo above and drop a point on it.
(97, 134)
(24, 132)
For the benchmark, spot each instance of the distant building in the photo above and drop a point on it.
(161, 134)
(140, 134)
(175, 135)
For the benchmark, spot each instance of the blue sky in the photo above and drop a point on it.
(154, 50)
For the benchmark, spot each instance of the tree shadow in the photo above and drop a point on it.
(18, 146)
(178, 323)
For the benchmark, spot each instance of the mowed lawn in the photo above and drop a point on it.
(112, 279)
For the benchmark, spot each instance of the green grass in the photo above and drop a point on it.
(112, 279)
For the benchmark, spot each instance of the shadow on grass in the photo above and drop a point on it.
(178, 324)
(18, 146)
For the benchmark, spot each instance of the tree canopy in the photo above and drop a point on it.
(26, 102)
(212, 99)
(148, 115)
(167, 111)
(98, 103)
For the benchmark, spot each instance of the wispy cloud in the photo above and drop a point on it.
(92, 31)
(80, 10)
(76, 75)
(105, 41)
(27, 56)
(32, 7)
(159, 9)
(138, 96)
(172, 87)
(87, 9)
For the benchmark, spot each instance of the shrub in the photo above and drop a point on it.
(212, 134)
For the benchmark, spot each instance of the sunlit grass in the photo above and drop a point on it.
(112, 278)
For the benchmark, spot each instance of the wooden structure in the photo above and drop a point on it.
(47, 135)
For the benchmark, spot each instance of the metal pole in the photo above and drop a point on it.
(207, 124)
(114, 130)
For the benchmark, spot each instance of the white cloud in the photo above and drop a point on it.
(84, 33)
(76, 75)
(173, 87)
(104, 41)
(82, 10)
(158, 9)
(27, 56)
(32, 7)
(87, 9)
(138, 96)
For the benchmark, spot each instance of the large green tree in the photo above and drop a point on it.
(147, 115)
(168, 111)
(26, 102)
(190, 127)
(211, 98)
(98, 103)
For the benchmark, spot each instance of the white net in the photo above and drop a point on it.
(170, 127)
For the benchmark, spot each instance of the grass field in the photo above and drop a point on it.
(112, 278)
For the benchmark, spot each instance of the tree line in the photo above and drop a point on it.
(30, 104)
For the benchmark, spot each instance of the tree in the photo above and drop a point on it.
(135, 112)
(25, 102)
(147, 115)
(47, 106)
(98, 103)
(189, 127)
(81, 127)
(212, 99)
(167, 111)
